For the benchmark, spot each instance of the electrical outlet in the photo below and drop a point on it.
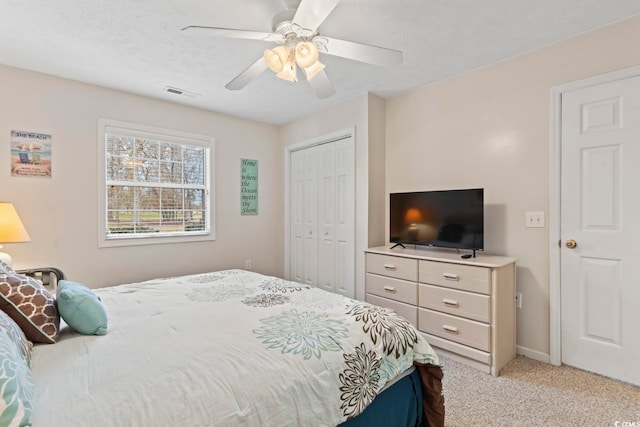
(534, 219)
(518, 300)
(247, 264)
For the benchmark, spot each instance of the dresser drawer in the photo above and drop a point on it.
(457, 276)
(395, 289)
(409, 312)
(391, 266)
(459, 303)
(457, 329)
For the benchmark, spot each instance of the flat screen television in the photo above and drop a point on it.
(445, 218)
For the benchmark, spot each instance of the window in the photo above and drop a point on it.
(155, 185)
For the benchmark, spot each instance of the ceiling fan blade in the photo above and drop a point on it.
(321, 85)
(360, 52)
(253, 71)
(231, 33)
(311, 13)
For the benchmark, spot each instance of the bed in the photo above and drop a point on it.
(236, 348)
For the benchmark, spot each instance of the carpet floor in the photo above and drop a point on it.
(530, 393)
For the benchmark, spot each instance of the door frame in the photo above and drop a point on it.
(555, 167)
(288, 149)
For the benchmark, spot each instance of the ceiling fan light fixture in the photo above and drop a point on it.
(306, 54)
(289, 70)
(276, 57)
(314, 69)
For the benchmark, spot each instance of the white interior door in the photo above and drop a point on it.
(322, 215)
(600, 211)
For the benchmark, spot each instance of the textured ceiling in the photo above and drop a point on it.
(137, 46)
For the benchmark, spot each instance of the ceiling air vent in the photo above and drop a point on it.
(176, 91)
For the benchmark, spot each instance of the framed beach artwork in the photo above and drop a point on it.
(30, 154)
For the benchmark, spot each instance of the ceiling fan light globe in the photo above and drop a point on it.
(306, 54)
(314, 69)
(289, 71)
(273, 60)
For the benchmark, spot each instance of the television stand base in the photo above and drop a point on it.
(466, 256)
(398, 244)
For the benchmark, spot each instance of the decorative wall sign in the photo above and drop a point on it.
(248, 187)
(30, 154)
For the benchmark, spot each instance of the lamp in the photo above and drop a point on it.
(11, 230)
(413, 217)
(283, 59)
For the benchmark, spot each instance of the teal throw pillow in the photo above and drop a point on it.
(81, 308)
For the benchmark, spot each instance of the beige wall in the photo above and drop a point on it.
(490, 128)
(60, 213)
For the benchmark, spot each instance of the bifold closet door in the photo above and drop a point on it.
(322, 216)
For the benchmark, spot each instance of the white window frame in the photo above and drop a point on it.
(113, 126)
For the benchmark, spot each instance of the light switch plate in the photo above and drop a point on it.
(534, 219)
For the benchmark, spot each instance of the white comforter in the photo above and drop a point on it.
(229, 348)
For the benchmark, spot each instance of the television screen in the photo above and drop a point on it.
(447, 219)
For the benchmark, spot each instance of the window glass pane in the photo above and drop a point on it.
(120, 197)
(119, 145)
(171, 172)
(146, 171)
(119, 168)
(170, 151)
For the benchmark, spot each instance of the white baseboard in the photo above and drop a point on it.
(533, 354)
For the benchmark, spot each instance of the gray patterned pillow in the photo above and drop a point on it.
(16, 381)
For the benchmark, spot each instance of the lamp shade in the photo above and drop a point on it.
(11, 228)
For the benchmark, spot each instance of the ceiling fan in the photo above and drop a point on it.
(298, 44)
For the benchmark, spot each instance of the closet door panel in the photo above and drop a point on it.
(297, 222)
(310, 216)
(327, 216)
(345, 216)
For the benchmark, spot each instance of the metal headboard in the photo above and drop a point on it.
(49, 276)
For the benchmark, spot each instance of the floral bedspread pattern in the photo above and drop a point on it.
(272, 352)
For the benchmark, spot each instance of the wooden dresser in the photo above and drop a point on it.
(464, 307)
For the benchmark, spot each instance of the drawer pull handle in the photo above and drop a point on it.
(450, 329)
(451, 276)
(450, 302)
(390, 289)
(390, 267)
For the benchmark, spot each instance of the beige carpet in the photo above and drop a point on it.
(529, 393)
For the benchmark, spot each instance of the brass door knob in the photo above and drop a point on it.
(571, 244)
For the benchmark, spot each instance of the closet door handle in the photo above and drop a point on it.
(390, 267)
(450, 302)
(390, 289)
(451, 276)
(450, 329)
